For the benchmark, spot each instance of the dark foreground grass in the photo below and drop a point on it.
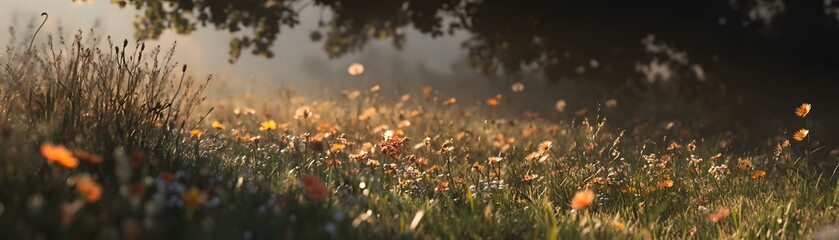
(360, 166)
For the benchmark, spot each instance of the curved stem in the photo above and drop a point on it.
(46, 16)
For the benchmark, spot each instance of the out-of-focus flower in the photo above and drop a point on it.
(493, 102)
(355, 69)
(193, 197)
(744, 164)
(611, 103)
(303, 113)
(351, 94)
(443, 186)
(582, 199)
(667, 183)
(450, 101)
(529, 177)
(560, 105)
(218, 125)
(719, 215)
(517, 87)
(426, 91)
(367, 114)
(757, 174)
(337, 147)
(89, 189)
(195, 133)
(315, 188)
(59, 155)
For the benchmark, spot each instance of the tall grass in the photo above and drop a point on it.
(115, 96)
(123, 97)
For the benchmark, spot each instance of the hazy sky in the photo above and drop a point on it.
(298, 61)
(302, 64)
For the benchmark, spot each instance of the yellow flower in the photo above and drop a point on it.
(338, 147)
(758, 174)
(803, 110)
(268, 125)
(195, 133)
(618, 224)
(218, 125)
(494, 160)
(801, 134)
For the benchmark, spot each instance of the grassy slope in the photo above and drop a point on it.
(159, 180)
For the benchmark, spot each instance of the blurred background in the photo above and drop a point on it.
(719, 66)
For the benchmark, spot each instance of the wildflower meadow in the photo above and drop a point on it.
(108, 139)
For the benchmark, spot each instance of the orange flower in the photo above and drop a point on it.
(529, 177)
(492, 102)
(582, 199)
(801, 134)
(367, 114)
(803, 110)
(450, 101)
(443, 186)
(667, 183)
(529, 130)
(758, 174)
(719, 215)
(167, 176)
(494, 160)
(90, 190)
(744, 164)
(193, 197)
(195, 133)
(426, 91)
(314, 187)
(59, 155)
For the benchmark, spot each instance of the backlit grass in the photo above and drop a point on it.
(109, 142)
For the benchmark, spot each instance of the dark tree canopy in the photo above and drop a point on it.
(558, 38)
